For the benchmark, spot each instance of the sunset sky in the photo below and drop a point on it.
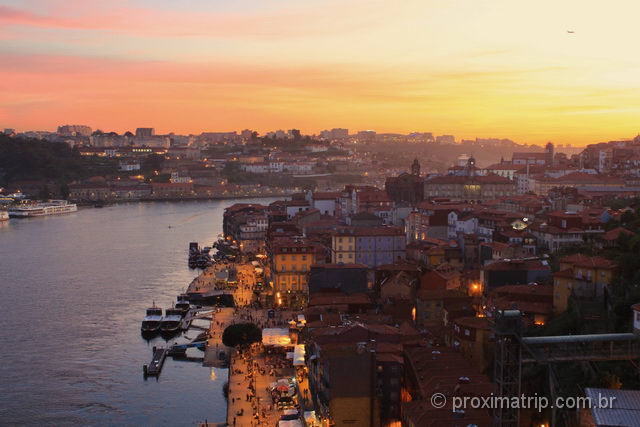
(473, 68)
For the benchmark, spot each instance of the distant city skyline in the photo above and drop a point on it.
(485, 69)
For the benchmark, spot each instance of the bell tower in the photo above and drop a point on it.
(548, 150)
(471, 167)
(415, 167)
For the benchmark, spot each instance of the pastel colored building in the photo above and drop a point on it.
(371, 246)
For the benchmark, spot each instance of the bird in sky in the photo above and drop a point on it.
(570, 31)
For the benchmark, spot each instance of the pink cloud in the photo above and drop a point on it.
(9, 15)
(119, 17)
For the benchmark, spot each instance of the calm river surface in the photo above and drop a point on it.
(73, 290)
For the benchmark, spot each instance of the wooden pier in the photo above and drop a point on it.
(154, 368)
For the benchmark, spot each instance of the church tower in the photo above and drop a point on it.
(471, 167)
(415, 168)
(548, 150)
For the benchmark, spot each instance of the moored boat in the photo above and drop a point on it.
(171, 321)
(152, 321)
(183, 304)
(52, 207)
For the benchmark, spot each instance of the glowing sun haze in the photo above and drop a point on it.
(486, 68)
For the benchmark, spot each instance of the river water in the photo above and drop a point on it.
(73, 290)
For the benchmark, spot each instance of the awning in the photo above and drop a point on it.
(276, 337)
(298, 355)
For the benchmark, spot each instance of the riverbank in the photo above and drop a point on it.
(109, 267)
(89, 203)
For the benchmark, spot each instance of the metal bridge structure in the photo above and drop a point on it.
(512, 351)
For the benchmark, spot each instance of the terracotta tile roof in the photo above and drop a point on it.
(517, 265)
(440, 294)
(566, 273)
(582, 178)
(541, 290)
(402, 266)
(427, 205)
(612, 235)
(580, 260)
(336, 299)
(505, 166)
(480, 179)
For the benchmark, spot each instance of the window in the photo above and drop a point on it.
(340, 256)
(304, 257)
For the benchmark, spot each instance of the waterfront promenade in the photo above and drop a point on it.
(251, 371)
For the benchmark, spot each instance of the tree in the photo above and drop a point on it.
(64, 190)
(44, 193)
(153, 162)
(241, 334)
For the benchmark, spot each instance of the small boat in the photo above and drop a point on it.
(183, 304)
(171, 321)
(151, 322)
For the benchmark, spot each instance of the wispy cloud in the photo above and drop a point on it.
(121, 17)
(479, 68)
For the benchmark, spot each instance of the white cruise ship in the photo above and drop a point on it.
(4, 215)
(52, 207)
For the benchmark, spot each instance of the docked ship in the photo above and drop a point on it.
(199, 258)
(4, 215)
(183, 304)
(52, 207)
(151, 322)
(171, 322)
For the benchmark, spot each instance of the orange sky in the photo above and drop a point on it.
(473, 68)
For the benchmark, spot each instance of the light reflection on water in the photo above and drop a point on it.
(74, 289)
